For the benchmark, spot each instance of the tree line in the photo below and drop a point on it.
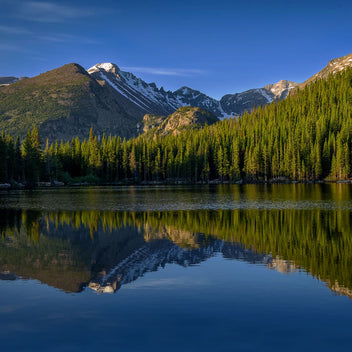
(305, 137)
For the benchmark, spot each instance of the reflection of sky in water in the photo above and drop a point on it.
(219, 305)
(208, 295)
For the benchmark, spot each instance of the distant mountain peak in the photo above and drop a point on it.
(106, 66)
(4, 81)
(185, 90)
(142, 98)
(235, 104)
(281, 88)
(341, 63)
(282, 84)
(333, 66)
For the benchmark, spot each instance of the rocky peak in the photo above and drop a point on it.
(107, 67)
(281, 85)
(281, 88)
(340, 63)
(182, 118)
(333, 66)
(185, 91)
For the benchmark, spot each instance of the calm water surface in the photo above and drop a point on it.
(219, 268)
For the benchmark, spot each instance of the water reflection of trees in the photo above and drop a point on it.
(315, 240)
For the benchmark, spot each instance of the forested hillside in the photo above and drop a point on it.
(304, 137)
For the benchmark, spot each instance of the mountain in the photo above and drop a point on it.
(140, 98)
(5, 81)
(236, 104)
(333, 66)
(182, 118)
(190, 97)
(104, 97)
(64, 102)
(137, 97)
(69, 100)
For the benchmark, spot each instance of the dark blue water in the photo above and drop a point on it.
(231, 268)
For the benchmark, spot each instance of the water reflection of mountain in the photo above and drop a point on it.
(104, 250)
(158, 253)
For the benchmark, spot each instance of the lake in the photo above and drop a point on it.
(187, 268)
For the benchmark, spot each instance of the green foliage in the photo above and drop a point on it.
(90, 179)
(32, 156)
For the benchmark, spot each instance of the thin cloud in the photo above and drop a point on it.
(14, 30)
(51, 12)
(10, 47)
(165, 71)
(53, 37)
(56, 38)
(65, 38)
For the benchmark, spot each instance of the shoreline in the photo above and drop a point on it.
(48, 185)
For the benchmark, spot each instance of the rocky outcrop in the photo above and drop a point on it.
(186, 117)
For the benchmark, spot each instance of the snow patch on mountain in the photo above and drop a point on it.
(148, 97)
(107, 66)
(151, 99)
(265, 95)
(5, 81)
(122, 91)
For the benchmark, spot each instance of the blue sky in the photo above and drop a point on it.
(217, 47)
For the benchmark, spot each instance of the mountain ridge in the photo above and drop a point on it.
(69, 100)
(150, 99)
(333, 66)
(54, 100)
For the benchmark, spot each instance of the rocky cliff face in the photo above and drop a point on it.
(280, 90)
